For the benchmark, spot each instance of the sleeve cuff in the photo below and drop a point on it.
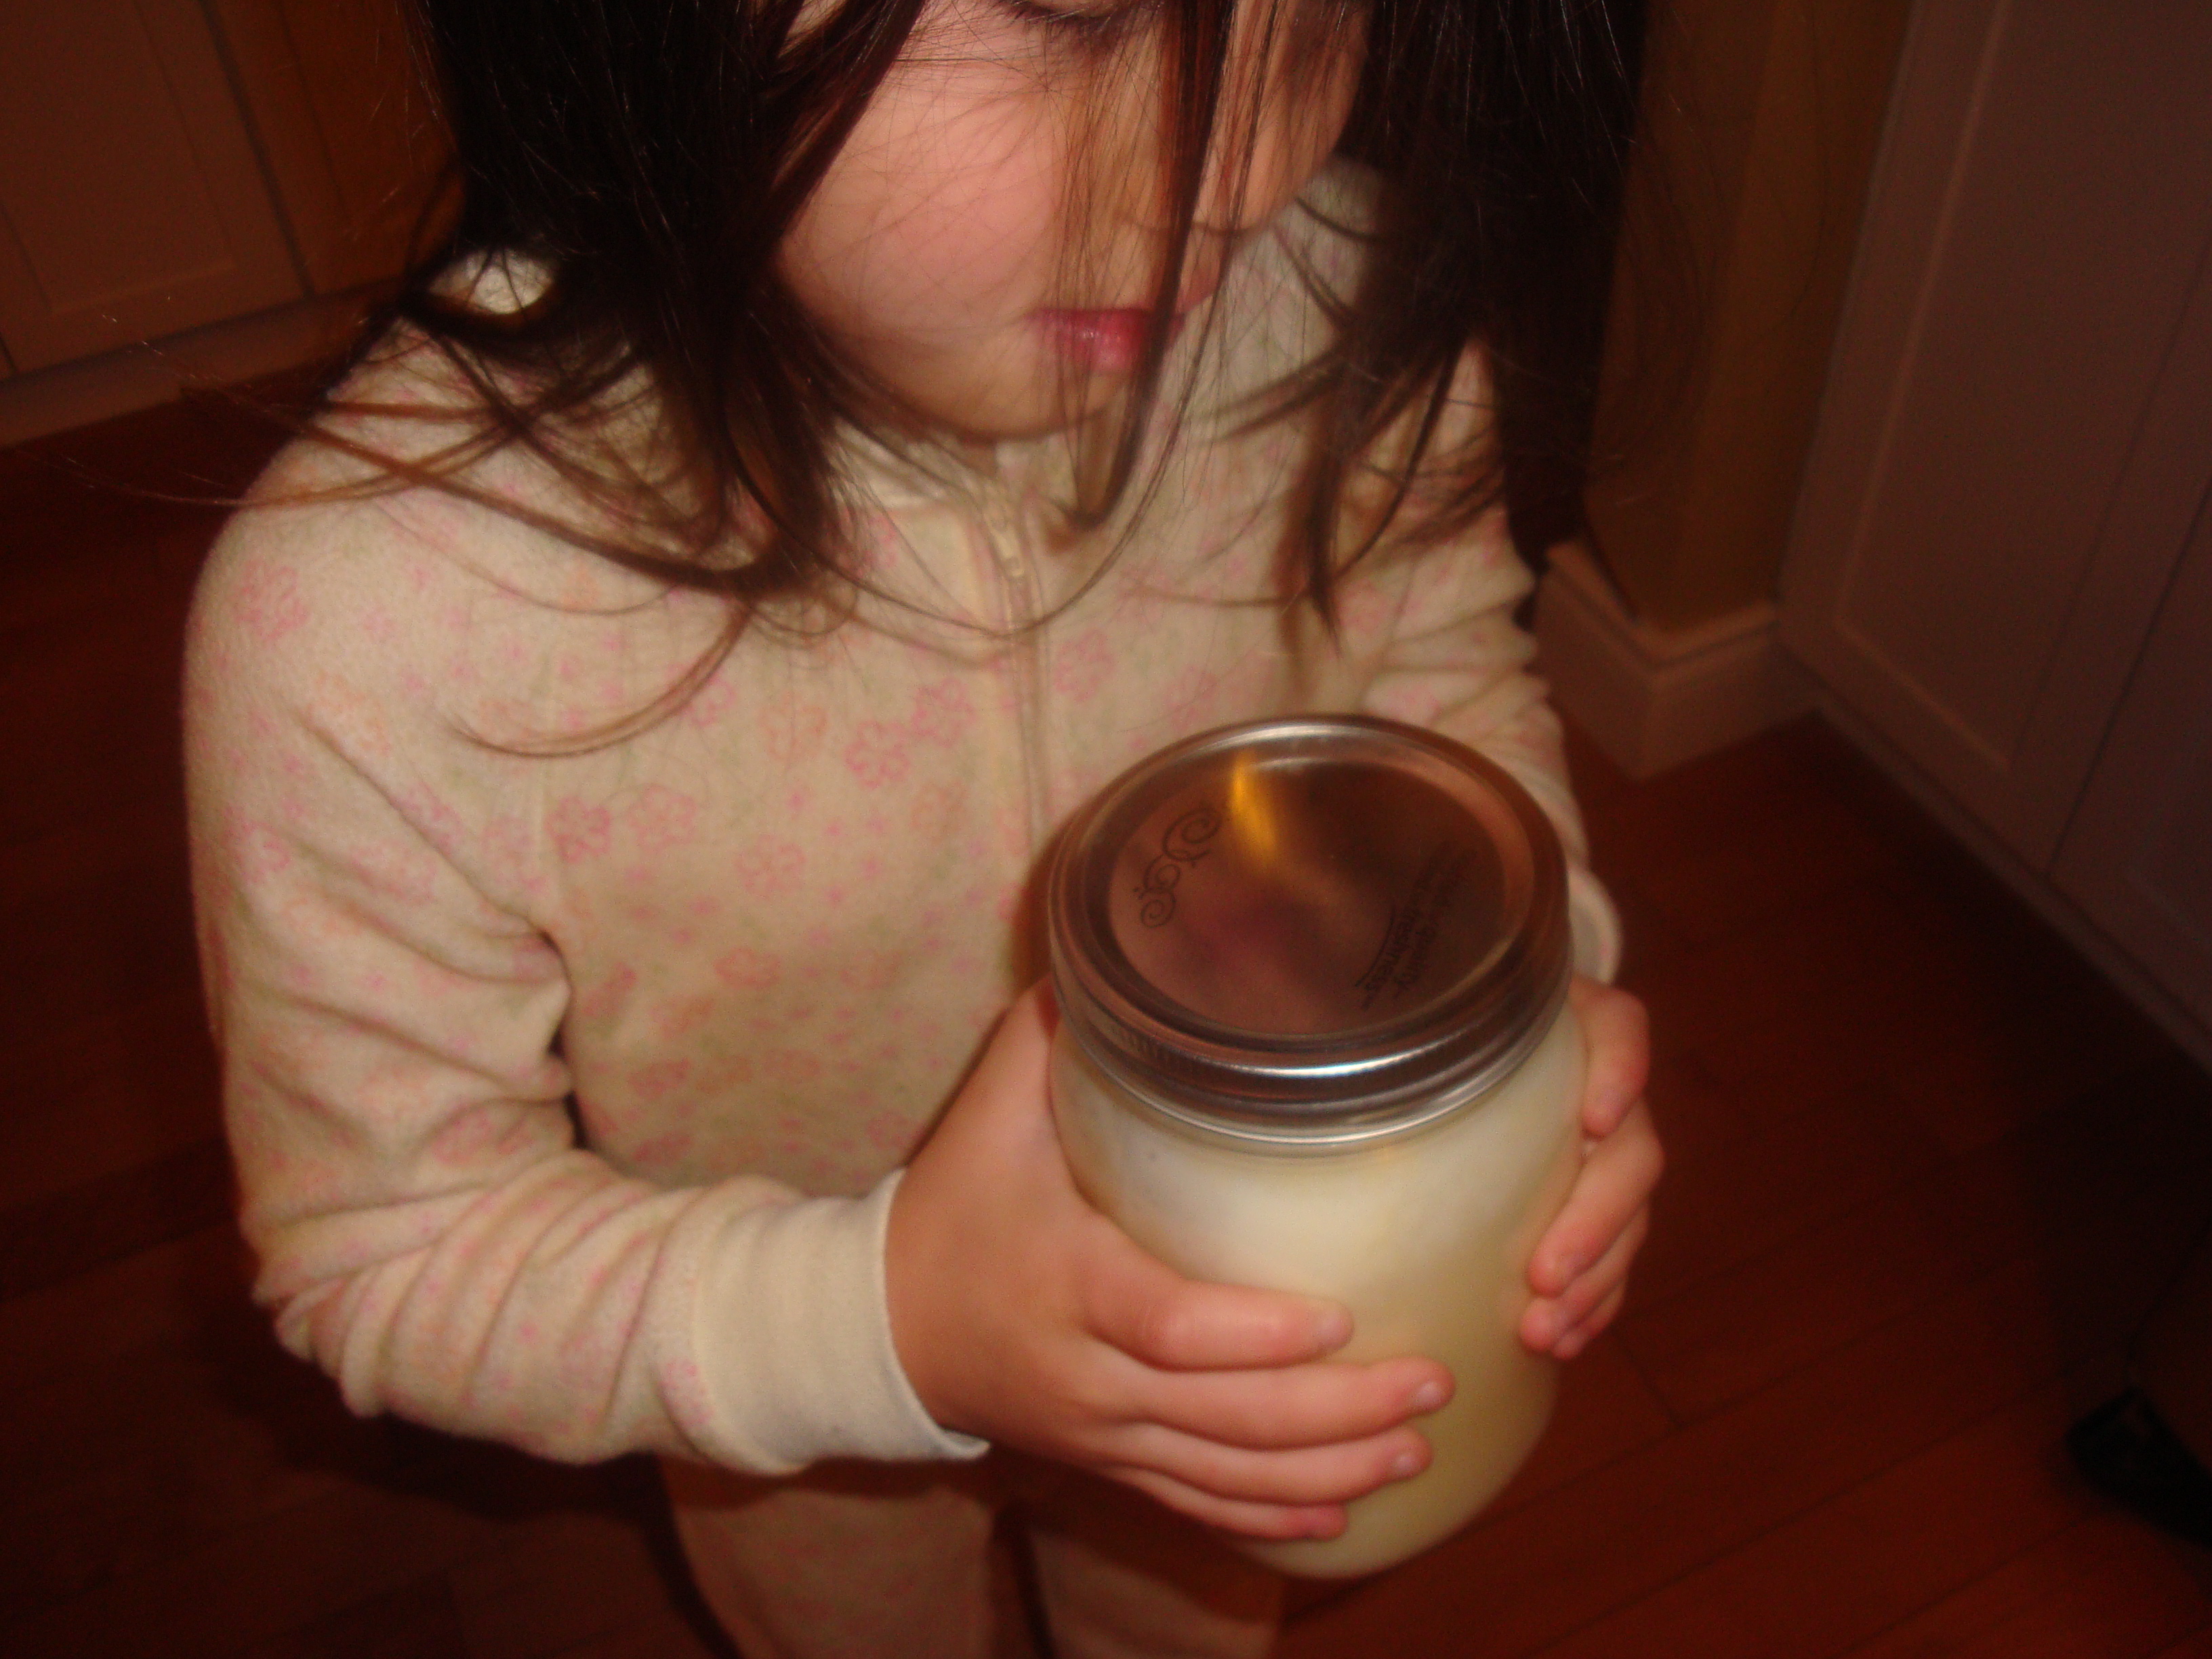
(1595, 926)
(794, 1341)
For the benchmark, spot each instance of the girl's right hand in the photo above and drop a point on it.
(1024, 1315)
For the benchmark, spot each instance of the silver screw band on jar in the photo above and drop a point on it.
(1313, 931)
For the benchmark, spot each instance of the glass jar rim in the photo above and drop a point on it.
(1404, 847)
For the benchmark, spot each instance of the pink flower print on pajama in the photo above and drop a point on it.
(1416, 703)
(439, 825)
(890, 1134)
(580, 830)
(662, 1152)
(942, 712)
(401, 871)
(656, 1080)
(935, 811)
(1190, 694)
(1365, 613)
(710, 705)
(790, 1066)
(358, 717)
(1082, 666)
(877, 755)
(506, 843)
(660, 819)
(269, 602)
(748, 969)
(259, 850)
(870, 971)
(792, 730)
(678, 1019)
(770, 866)
(607, 998)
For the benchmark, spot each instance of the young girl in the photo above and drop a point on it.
(840, 436)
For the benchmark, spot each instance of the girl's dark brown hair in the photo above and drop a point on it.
(650, 155)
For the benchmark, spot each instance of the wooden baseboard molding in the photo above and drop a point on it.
(70, 395)
(1652, 698)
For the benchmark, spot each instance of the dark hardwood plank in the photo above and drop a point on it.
(1723, 1206)
(560, 1580)
(2136, 1156)
(2094, 1592)
(264, 1582)
(168, 1295)
(287, 1569)
(1849, 1569)
(660, 1635)
(114, 1089)
(416, 1621)
(48, 1241)
(162, 1447)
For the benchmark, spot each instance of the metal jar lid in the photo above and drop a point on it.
(1314, 929)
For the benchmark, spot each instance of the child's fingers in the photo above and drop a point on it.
(1548, 1320)
(1591, 1327)
(1614, 1184)
(1149, 1311)
(1316, 1474)
(1275, 1521)
(1617, 1036)
(1018, 1060)
(1300, 1406)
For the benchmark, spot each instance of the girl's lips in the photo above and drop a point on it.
(1105, 342)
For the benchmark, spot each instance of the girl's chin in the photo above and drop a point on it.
(1017, 394)
(1054, 406)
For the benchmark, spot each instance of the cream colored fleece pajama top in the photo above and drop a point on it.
(568, 1092)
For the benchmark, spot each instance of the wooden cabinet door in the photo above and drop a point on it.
(342, 103)
(131, 203)
(2137, 858)
(2011, 446)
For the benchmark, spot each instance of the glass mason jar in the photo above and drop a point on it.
(1314, 1036)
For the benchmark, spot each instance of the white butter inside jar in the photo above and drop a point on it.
(1312, 976)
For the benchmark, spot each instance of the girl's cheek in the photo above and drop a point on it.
(940, 214)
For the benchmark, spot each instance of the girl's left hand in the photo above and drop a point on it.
(1579, 1270)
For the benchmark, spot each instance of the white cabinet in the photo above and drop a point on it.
(2137, 858)
(1987, 567)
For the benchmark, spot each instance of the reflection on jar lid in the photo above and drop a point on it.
(1325, 926)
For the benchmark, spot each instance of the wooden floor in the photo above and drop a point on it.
(1927, 1172)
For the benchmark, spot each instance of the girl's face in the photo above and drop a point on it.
(938, 250)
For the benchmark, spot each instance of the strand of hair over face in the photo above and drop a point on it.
(644, 157)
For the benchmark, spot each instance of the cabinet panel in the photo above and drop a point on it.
(346, 120)
(132, 203)
(2138, 856)
(2012, 449)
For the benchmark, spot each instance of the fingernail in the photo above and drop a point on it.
(1428, 1396)
(1331, 1327)
(1406, 1462)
